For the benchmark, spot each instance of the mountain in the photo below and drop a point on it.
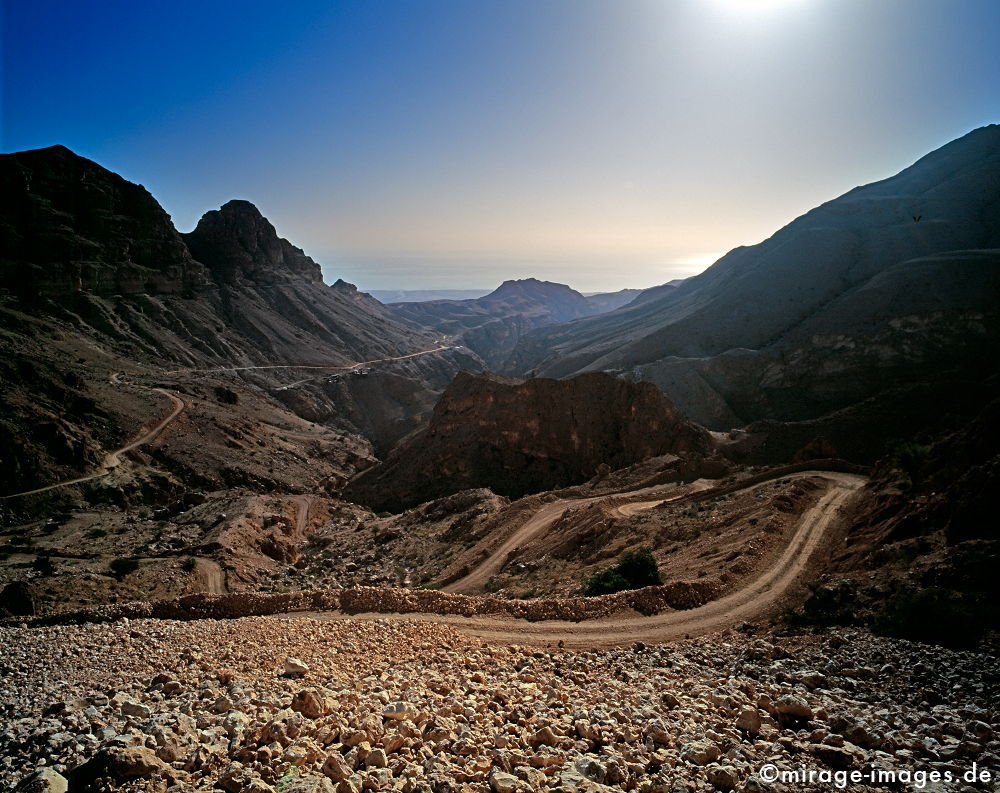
(894, 282)
(491, 325)
(422, 295)
(95, 282)
(524, 436)
(603, 302)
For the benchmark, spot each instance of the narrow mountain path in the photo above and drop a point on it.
(113, 459)
(758, 597)
(324, 367)
(302, 517)
(212, 575)
(535, 525)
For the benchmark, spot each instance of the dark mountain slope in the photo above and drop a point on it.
(524, 436)
(740, 341)
(115, 288)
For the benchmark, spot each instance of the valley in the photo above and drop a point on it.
(248, 479)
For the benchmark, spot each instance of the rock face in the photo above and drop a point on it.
(517, 437)
(67, 225)
(239, 245)
(895, 282)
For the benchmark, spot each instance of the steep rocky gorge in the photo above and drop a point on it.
(523, 436)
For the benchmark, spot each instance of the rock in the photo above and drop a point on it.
(118, 763)
(658, 733)
(809, 678)
(613, 421)
(308, 783)
(376, 759)
(311, 702)
(17, 600)
(236, 778)
(839, 757)
(44, 780)
(748, 721)
(793, 706)
(399, 711)
(700, 752)
(669, 700)
(591, 768)
(293, 667)
(335, 767)
(544, 737)
(723, 777)
(502, 782)
(136, 709)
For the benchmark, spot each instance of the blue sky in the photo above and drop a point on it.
(452, 143)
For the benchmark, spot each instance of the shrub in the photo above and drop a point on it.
(189, 564)
(122, 567)
(635, 569)
(226, 396)
(931, 615)
(911, 457)
(44, 566)
(834, 603)
(96, 533)
(493, 585)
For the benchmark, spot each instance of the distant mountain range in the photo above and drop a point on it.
(492, 325)
(605, 301)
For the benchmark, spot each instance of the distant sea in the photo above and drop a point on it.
(420, 295)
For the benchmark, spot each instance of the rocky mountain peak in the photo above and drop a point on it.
(68, 225)
(239, 245)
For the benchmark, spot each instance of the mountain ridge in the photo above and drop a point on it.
(741, 313)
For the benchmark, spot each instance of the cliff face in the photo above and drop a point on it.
(239, 245)
(517, 437)
(68, 225)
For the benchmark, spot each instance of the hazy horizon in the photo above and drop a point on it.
(383, 274)
(457, 145)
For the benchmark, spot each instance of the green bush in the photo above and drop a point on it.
(226, 396)
(43, 565)
(122, 567)
(833, 603)
(635, 569)
(931, 615)
(911, 457)
(189, 564)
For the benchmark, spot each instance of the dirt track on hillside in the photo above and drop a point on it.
(757, 598)
(113, 459)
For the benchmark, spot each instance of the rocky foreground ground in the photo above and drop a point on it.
(268, 704)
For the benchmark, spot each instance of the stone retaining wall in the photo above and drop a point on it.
(357, 600)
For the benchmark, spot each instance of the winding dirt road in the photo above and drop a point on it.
(212, 575)
(113, 459)
(337, 367)
(302, 516)
(758, 597)
(540, 521)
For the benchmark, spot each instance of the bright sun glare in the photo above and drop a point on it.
(755, 6)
